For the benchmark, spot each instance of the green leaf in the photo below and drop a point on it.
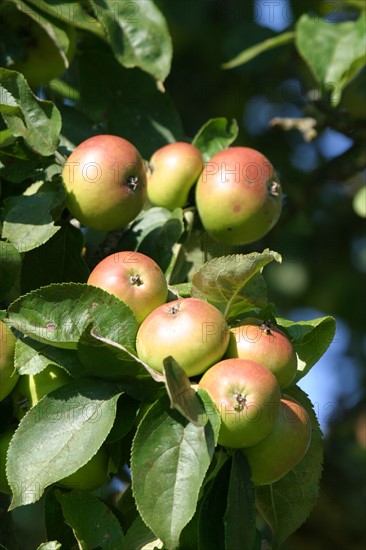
(6, 138)
(56, 529)
(29, 360)
(129, 104)
(211, 531)
(61, 433)
(71, 12)
(138, 536)
(18, 164)
(138, 35)
(93, 523)
(127, 409)
(169, 460)
(37, 121)
(233, 283)
(286, 504)
(182, 396)
(28, 219)
(154, 233)
(335, 52)
(58, 260)
(51, 545)
(181, 290)
(257, 49)
(110, 360)
(214, 136)
(76, 126)
(58, 314)
(31, 357)
(240, 514)
(310, 339)
(10, 263)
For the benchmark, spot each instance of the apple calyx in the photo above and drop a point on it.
(136, 280)
(174, 310)
(240, 401)
(274, 188)
(132, 182)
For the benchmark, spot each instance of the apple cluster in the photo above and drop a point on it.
(237, 193)
(244, 368)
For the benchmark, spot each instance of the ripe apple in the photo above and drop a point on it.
(266, 344)
(192, 331)
(32, 387)
(42, 60)
(105, 181)
(134, 278)
(5, 438)
(8, 375)
(284, 447)
(173, 169)
(90, 476)
(247, 396)
(238, 196)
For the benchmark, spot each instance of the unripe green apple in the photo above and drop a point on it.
(173, 169)
(247, 396)
(134, 278)
(92, 475)
(190, 330)
(32, 387)
(284, 447)
(8, 376)
(238, 196)
(5, 438)
(105, 181)
(42, 60)
(266, 344)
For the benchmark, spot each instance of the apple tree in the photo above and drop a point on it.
(136, 405)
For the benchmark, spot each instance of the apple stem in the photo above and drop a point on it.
(266, 327)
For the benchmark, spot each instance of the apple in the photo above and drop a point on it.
(266, 344)
(192, 331)
(284, 447)
(247, 396)
(42, 60)
(105, 182)
(172, 171)
(134, 278)
(5, 438)
(92, 475)
(8, 374)
(32, 387)
(238, 196)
